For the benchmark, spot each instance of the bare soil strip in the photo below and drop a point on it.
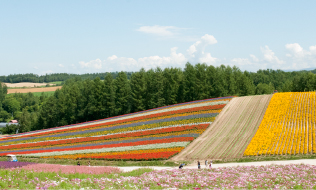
(231, 132)
(26, 84)
(238, 151)
(26, 90)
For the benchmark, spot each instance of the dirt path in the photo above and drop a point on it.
(26, 90)
(231, 132)
(194, 166)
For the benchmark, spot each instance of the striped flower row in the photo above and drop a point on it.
(154, 134)
(114, 149)
(200, 103)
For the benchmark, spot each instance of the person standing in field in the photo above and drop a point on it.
(206, 164)
(211, 164)
(199, 165)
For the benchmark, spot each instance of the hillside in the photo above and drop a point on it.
(153, 134)
(232, 131)
(288, 126)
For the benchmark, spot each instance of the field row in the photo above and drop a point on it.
(232, 131)
(288, 126)
(154, 134)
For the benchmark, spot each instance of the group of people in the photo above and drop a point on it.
(78, 164)
(199, 164)
(206, 164)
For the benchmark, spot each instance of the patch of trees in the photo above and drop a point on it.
(81, 100)
(23, 107)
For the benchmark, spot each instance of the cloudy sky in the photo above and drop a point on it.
(125, 35)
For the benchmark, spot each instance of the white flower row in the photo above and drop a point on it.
(114, 149)
(113, 133)
(193, 105)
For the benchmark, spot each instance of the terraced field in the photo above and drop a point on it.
(231, 132)
(152, 134)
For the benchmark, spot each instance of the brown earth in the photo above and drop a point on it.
(26, 90)
(231, 131)
(26, 84)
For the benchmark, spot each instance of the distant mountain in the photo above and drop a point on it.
(313, 70)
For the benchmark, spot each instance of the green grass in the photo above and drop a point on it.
(97, 162)
(24, 179)
(57, 82)
(268, 158)
(49, 93)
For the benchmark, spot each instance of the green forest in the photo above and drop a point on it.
(99, 96)
(15, 78)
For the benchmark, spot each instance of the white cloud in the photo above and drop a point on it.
(254, 58)
(196, 52)
(241, 61)
(35, 67)
(297, 58)
(60, 65)
(112, 57)
(312, 49)
(159, 30)
(208, 59)
(97, 64)
(296, 50)
(300, 58)
(209, 39)
(175, 59)
(47, 72)
(269, 56)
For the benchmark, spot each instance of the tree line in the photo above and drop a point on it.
(30, 77)
(82, 100)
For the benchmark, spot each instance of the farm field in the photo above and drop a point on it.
(45, 176)
(27, 84)
(232, 131)
(149, 135)
(33, 90)
(288, 126)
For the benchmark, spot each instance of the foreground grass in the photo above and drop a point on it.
(267, 158)
(96, 162)
(23, 179)
(297, 176)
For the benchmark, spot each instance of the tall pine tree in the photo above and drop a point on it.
(122, 94)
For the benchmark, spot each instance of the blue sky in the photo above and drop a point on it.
(102, 36)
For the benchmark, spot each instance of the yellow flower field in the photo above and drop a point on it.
(288, 126)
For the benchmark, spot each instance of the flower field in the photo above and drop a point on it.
(288, 126)
(153, 134)
(232, 131)
(294, 176)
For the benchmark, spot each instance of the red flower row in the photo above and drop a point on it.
(212, 107)
(140, 156)
(122, 135)
(175, 139)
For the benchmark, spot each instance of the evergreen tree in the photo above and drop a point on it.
(200, 82)
(171, 85)
(138, 90)
(150, 89)
(230, 79)
(189, 83)
(109, 95)
(158, 83)
(122, 94)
